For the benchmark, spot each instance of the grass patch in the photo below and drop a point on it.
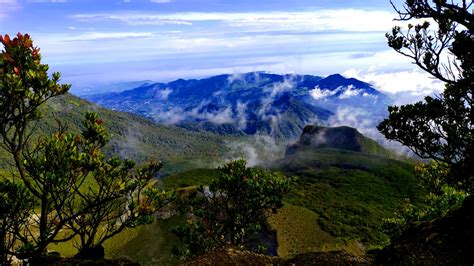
(298, 231)
(148, 244)
(195, 177)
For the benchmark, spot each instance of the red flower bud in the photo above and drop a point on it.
(6, 39)
(16, 70)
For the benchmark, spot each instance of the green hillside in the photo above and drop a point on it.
(351, 192)
(135, 137)
(340, 192)
(338, 199)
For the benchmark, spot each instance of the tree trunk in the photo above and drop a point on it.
(43, 228)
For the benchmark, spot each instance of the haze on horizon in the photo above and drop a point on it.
(95, 42)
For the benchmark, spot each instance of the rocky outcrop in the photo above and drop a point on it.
(446, 241)
(342, 138)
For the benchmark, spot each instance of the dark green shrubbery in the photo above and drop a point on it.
(232, 210)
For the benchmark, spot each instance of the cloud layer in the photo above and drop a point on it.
(319, 20)
(92, 42)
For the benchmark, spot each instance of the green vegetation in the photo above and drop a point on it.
(14, 213)
(441, 127)
(133, 137)
(351, 192)
(194, 177)
(341, 196)
(438, 201)
(232, 211)
(338, 201)
(298, 231)
(137, 138)
(149, 244)
(77, 191)
(304, 234)
(24, 86)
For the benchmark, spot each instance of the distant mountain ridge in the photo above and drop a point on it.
(247, 104)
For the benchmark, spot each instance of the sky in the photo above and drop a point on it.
(93, 42)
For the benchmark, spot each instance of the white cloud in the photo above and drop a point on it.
(161, 1)
(171, 116)
(413, 81)
(256, 150)
(366, 123)
(222, 117)
(164, 94)
(93, 36)
(176, 114)
(134, 19)
(312, 42)
(242, 115)
(321, 94)
(318, 20)
(273, 91)
(349, 92)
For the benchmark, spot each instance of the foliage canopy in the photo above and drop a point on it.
(76, 189)
(441, 127)
(233, 209)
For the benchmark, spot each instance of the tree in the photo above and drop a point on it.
(441, 127)
(78, 190)
(14, 217)
(233, 209)
(24, 86)
(87, 195)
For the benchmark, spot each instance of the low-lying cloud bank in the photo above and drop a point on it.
(404, 87)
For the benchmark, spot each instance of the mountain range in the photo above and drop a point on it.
(252, 103)
(343, 185)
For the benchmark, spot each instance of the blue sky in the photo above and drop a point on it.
(92, 42)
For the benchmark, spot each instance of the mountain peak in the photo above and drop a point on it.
(334, 81)
(335, 77)
(342, 138)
